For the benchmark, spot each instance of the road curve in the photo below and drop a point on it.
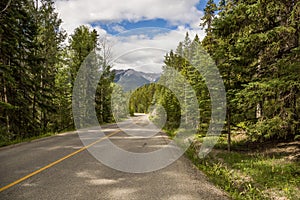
(81, 176)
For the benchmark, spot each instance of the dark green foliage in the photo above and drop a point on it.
(142, 98)
(209, 13)
(103, 95)
(180, 82)
(256, 47)
(28, 69)
(84, 51)
(169, 102)
(46, 66)
(147, 98)
(37, 71)
(189, 52)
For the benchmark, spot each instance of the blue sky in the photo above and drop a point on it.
(201, 4)
(173, 18)
(112, 28)
(157, 22)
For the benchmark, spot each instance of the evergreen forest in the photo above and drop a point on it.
(38, 67)
(254, 44)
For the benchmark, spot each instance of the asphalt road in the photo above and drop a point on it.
(41, 173)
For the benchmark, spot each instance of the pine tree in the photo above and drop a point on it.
(49, 56)
(207, 24)
(84, 50)
(30, 40)
(209, 14)
(255, 45)
(17, 33)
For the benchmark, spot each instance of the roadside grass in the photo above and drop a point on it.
(7, 142)
(251, 174)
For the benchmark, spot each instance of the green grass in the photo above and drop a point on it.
(251, 176)
(6, 142)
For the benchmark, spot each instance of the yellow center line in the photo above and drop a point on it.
(56, 162)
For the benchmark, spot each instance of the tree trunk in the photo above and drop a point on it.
(259, 110)
(228, 129)
(6, 113)
(185, 102)
(101, 105)
(34, 104)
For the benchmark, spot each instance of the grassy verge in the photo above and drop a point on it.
(252, 174)
(5, 141)
(20, 140)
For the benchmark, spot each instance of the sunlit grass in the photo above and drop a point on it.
(251, 175)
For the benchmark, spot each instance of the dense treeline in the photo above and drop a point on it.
(30, 50)
(38, 69)
(172, 92)
(255, 45)
(142, 98)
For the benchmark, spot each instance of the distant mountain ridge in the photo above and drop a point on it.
(130, 79)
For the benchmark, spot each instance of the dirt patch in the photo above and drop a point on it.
(288, 150)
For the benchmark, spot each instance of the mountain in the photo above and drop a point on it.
(130, 79)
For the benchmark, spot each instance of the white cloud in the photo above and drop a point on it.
(118, 28)
(77, 12)
(144, 53)
(148, 52)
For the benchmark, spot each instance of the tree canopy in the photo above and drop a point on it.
(38, 70)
